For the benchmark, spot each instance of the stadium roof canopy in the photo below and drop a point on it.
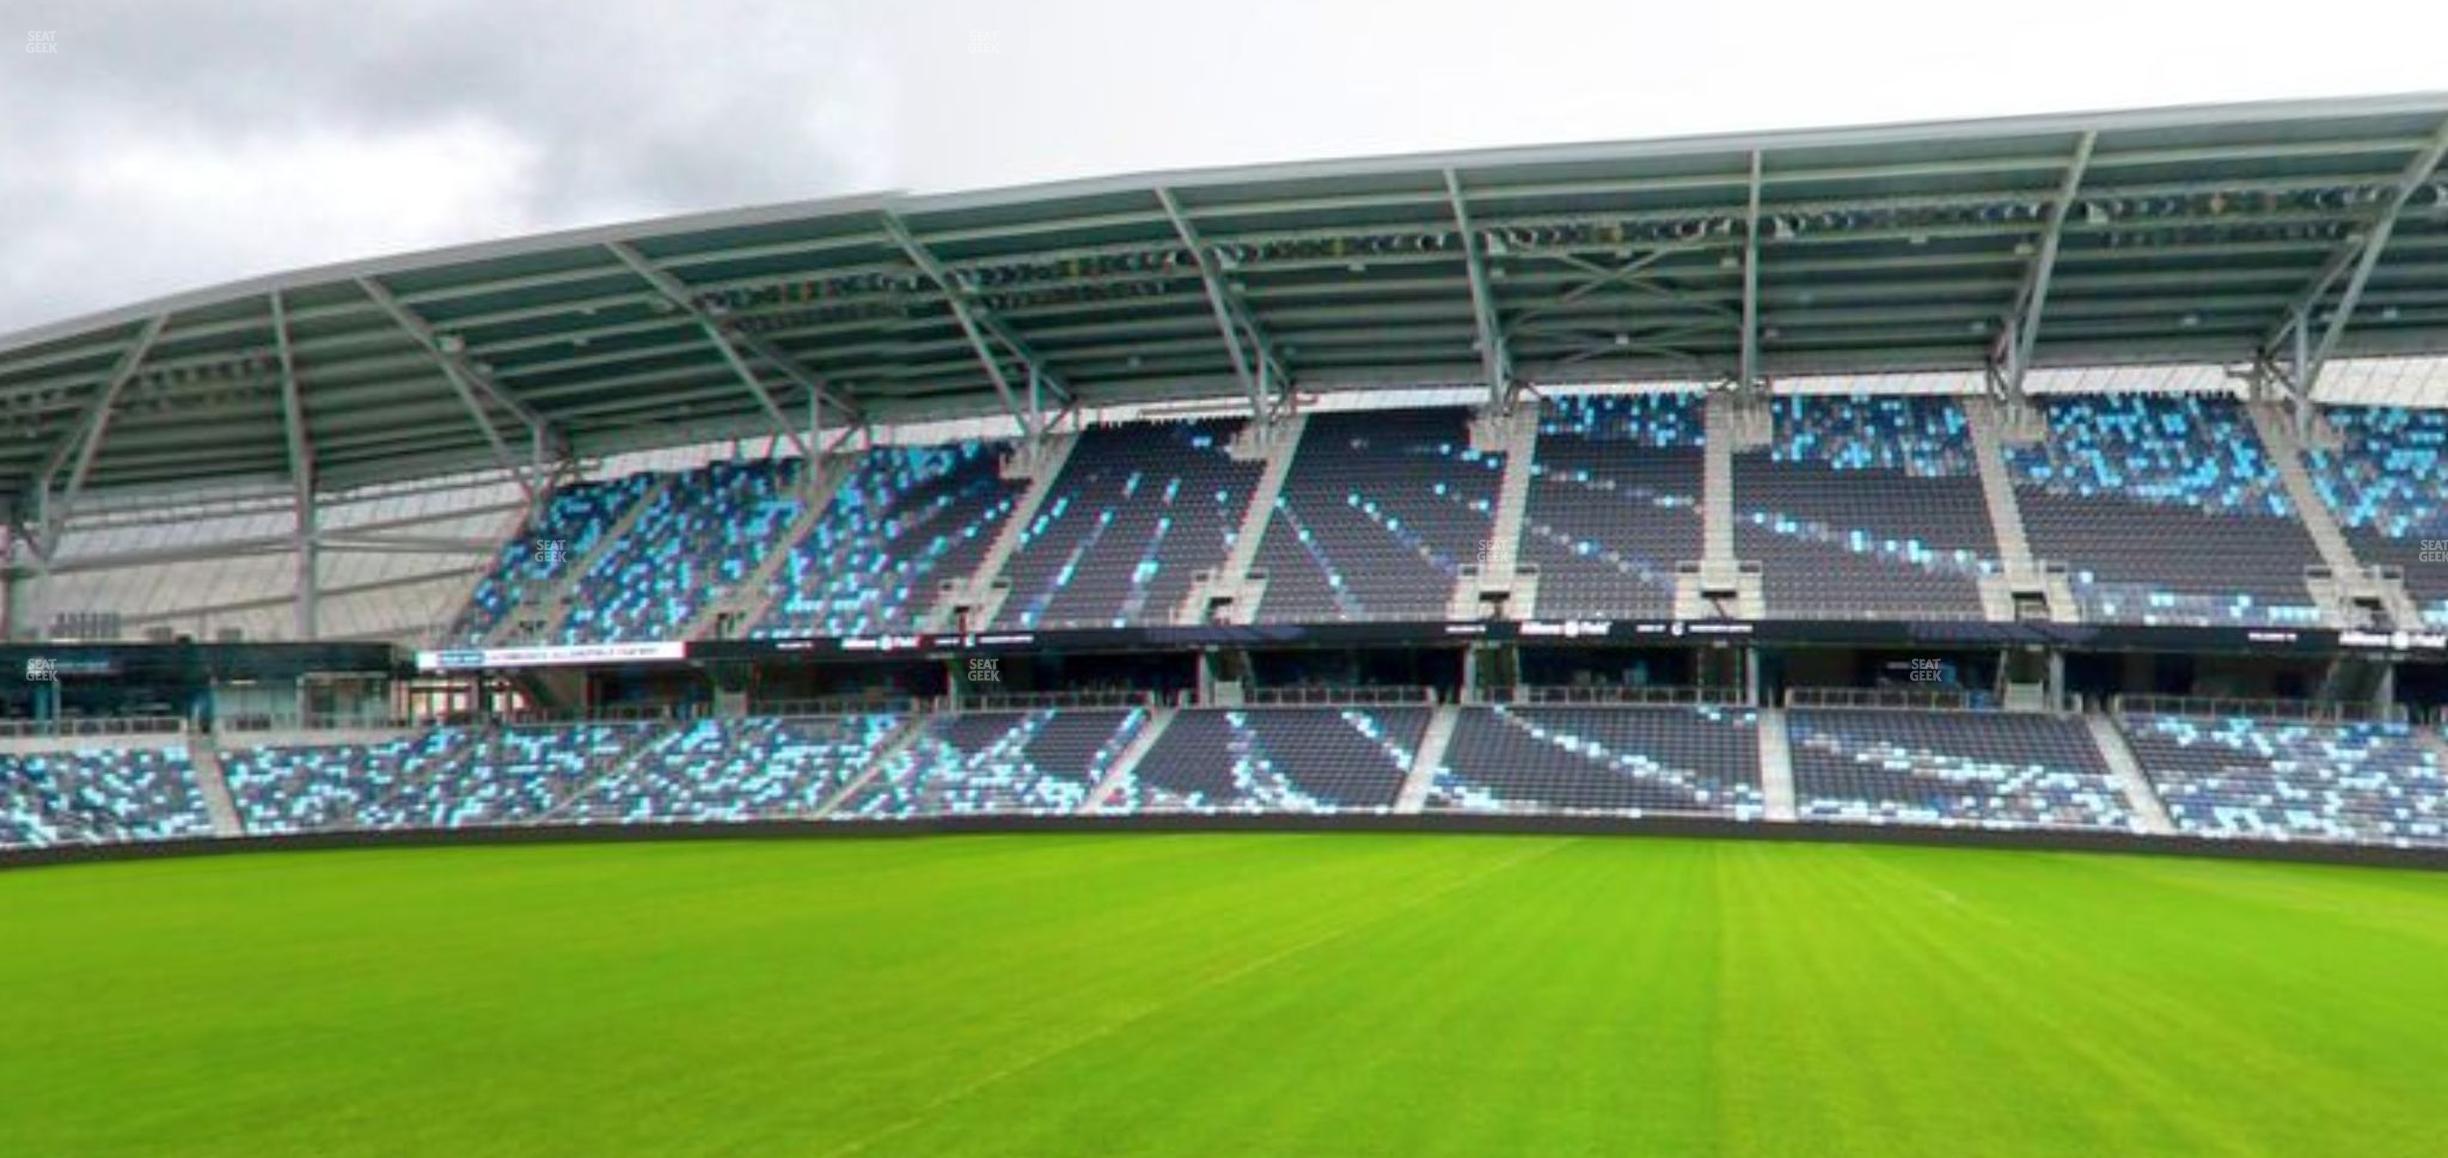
(2196, 235)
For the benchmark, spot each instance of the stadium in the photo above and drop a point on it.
(1927, 638)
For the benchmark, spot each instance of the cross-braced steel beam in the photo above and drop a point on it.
(1495, 358)
(2354, 259)
(729, 341)
(983, 331)
(1232, 318)
(2020, 334)
(76, 452)
(467, 383)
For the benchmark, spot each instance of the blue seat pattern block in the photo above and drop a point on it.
(444, 778)
(2165, 509)
(1626, 761)
(701, 536)
(1865, 507)
(735, 769)
(2283, 780)
(99, 796)
(2387, 483)
(907, 518)
(1614, 502)
(1137, 511)
(1952, 769)
(545, 548)
(977, 763)
(1280, 760)
(1379, 514)
(304, 788)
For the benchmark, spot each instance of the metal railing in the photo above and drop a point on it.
(1778, 611)
(1332, 697)
(609, 714)
(1891, 699)
(248, 723)
(95, 726)
(1612, 694)
(2308, 711)
(1036, 701)
(835, 706)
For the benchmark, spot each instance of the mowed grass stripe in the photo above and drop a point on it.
(1144, 994)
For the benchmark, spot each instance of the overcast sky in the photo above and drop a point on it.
(159, 146)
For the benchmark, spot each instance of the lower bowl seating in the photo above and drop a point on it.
(1630, 761)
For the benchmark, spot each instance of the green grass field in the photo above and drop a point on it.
(1228, 994)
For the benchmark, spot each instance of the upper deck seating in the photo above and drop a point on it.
(1614, 502)
(702, 535)
(2166, 510)
(1137, 511)
(906, 519)
(544, 550)
(1865, 507)
(1379, 514)
(2388, 486)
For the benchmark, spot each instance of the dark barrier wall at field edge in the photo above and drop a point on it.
(2307, 852)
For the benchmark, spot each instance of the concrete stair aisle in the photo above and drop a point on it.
(2020, 572)
(1776, 765)
(1717, 480)
(1429, 759)
(888, 751)
(753, 595)
(1232, 578)
(978, 590)
(1515, 436)
(2127, 771)
(1733, 425)
(1126, 765)
(212, 782)
(554, 600)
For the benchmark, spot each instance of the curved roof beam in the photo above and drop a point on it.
(729, 340)
(1232, 316)
(467, 383)
(979, 328)
(84, 440)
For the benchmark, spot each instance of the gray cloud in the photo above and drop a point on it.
(175, 143)
(586, 112)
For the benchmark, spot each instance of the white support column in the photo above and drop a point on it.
(1495, 357)
(307, 611)
(2354, 259)
(2021, 333)
(1747, 373)
(982, 331)
(1233, 321)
